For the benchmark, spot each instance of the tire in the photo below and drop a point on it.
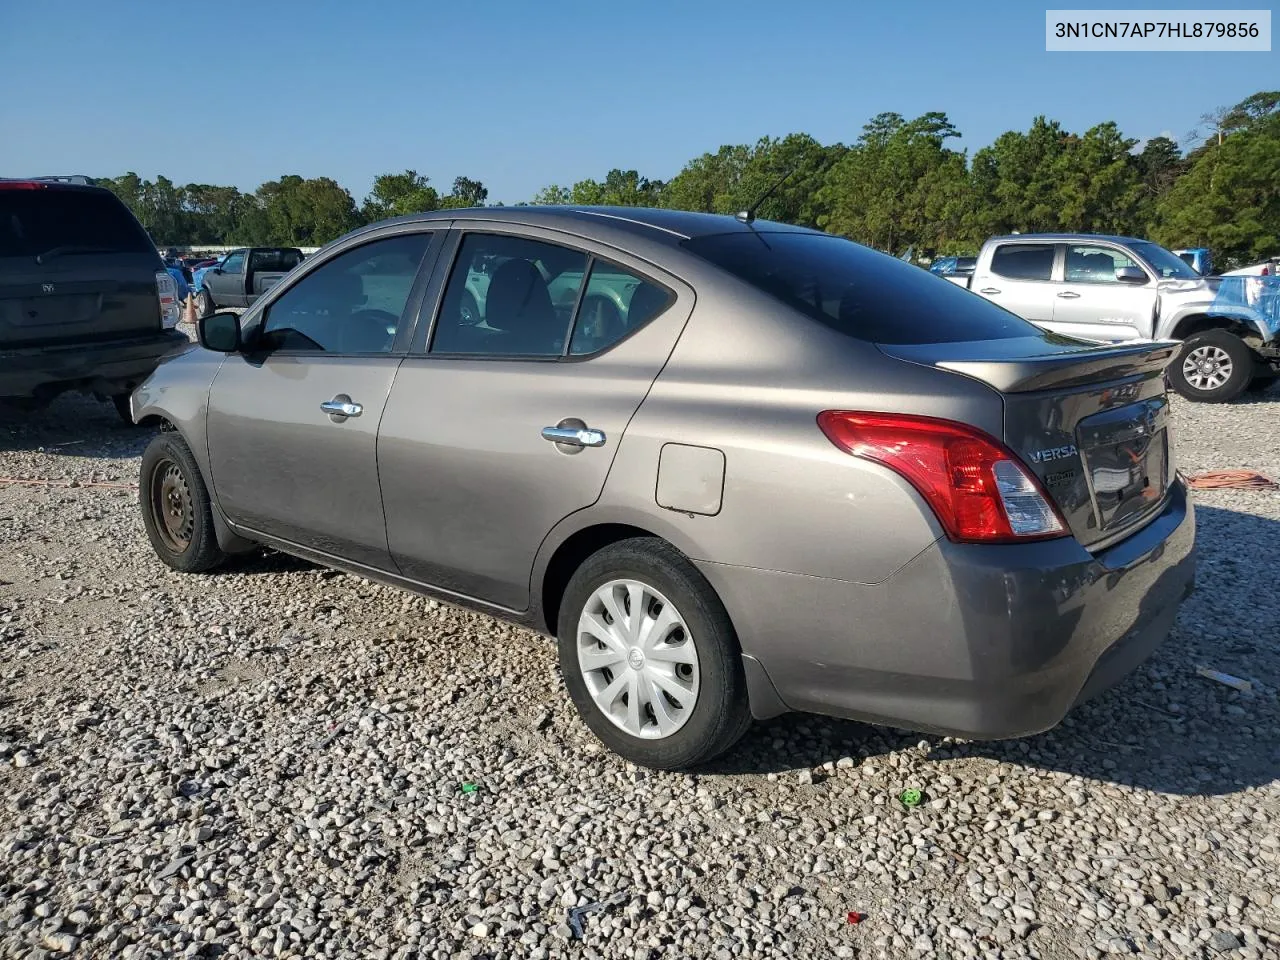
(121, 402)
(1261, 383)
(713, 717)
(176, 510)
(1224, 355)
(205, 307)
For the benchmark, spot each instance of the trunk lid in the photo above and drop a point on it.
(1091, 422)
(74, 266)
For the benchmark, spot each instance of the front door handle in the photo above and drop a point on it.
(341, 407)
(988, 290)
(574, 436)
(1069, 295)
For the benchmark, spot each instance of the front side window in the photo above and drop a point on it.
(1023, 261)
(234, 263)
(350, 304)
(509, 296)
(1086, 264)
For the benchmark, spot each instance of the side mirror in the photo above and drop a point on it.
(217, 269)
(1131, 275)
(219, 332)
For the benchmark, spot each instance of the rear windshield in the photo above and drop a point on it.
(73, 222)
(861, 293)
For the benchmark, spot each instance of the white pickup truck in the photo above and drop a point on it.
(1119, 288)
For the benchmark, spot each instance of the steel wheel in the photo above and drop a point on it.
(171, 506)
(638, 659)
(1207, 367)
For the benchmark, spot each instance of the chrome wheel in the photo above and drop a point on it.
(638, 659)
(171, 505)
(1207, 368)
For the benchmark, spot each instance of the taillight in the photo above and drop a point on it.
(22, 185)
(977, 487)
(167, 293)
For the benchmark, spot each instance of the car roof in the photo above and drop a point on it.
(670, 226)
(1069, 236)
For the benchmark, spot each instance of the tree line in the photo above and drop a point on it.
(899, 185)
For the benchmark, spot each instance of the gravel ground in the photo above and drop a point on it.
(277, 760)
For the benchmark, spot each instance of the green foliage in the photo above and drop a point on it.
(395, 194)
(1229, 199)
(901, 184)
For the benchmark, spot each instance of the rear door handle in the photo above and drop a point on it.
(1069, 295)
(341, 407)
(574, 436)
(988, 290)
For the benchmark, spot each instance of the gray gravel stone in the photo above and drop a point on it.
(269, 760)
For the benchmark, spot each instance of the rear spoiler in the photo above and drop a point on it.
(1023, 364)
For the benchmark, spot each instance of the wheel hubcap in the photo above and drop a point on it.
(171, 505)
(638, 659)
(1207, 368)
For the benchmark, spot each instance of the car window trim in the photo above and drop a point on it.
(421, 347)
(408, 314)
(1054, 266)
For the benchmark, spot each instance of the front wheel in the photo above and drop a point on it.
(176, 509)
(204, 304)
(1212, 367)
(650, 656)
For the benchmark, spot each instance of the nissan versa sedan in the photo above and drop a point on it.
(734, 467)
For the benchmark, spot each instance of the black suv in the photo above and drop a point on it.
(85, 301)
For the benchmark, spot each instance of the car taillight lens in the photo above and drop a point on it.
(22, 185)
(975, 485)
(167, 293)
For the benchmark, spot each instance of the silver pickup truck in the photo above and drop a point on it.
(1118, 288)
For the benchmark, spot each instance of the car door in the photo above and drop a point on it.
(1020, 279)
(226, 282)
(1093, 303)
(293, 419)
(507, 423)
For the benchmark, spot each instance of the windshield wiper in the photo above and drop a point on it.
(71, 248)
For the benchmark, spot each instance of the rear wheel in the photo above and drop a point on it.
(176, 510)
(1212, 367)
(650, 656)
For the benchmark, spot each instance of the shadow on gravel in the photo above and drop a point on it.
(1164, 728)
(71, 426)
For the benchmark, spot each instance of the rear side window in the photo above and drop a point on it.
(72, 222)
(616, 303)
(1024, 261)
(268, 261)
(857, 291)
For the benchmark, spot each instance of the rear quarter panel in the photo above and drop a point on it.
(749, 378)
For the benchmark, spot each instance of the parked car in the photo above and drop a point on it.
(242, 276)
(951, 267)
(1264, 268)
(1122, 289)
(730, 497)
(85, 301)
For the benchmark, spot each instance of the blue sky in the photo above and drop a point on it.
(522, 94)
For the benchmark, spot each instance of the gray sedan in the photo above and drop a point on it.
(736, 468)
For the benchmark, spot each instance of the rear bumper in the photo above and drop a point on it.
(983, 642)
(109, 366)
